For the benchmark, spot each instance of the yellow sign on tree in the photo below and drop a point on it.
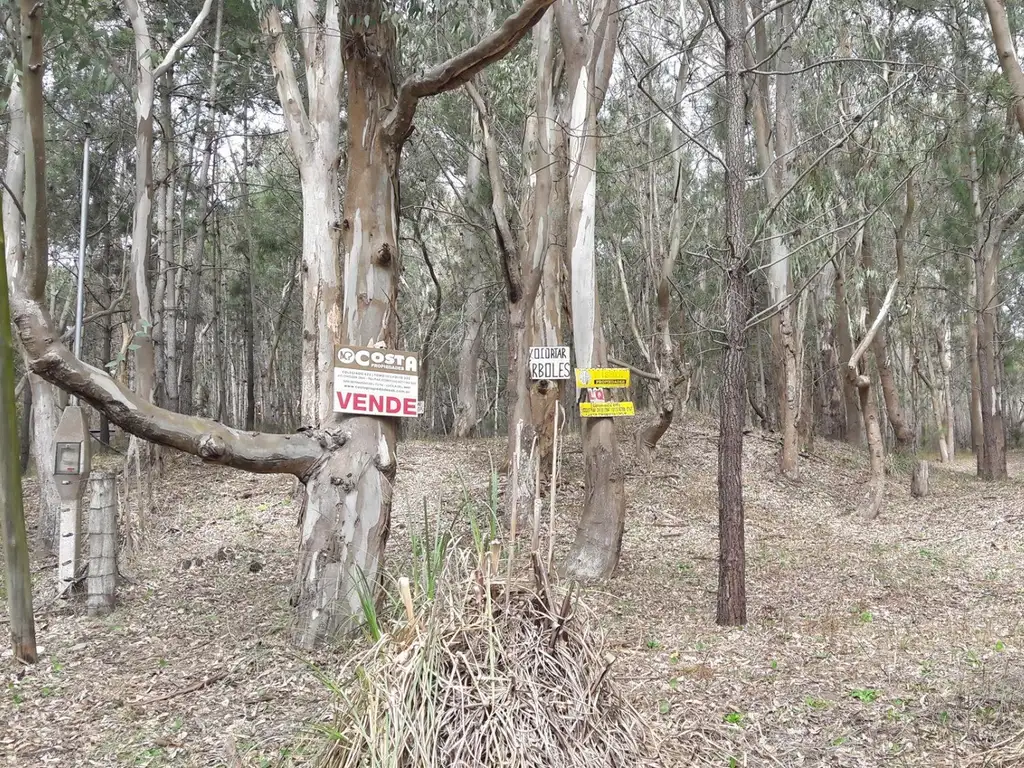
(602, 377)
(589, 410)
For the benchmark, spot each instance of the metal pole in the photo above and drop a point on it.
(80, 304)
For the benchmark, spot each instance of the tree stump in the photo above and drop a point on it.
(919, 480)
(102, 580)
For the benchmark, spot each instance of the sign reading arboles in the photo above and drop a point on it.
(551, 363)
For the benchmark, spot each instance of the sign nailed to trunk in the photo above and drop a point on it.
(550, 363)
(591, 409)
(602, 377)
(375, 382)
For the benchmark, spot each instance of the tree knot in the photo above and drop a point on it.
(384, 255)
(212, 447)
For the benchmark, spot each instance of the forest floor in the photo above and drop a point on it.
(886, 643)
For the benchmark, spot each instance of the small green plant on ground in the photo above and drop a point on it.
(817, 704)
(866, 695)
(733, 718)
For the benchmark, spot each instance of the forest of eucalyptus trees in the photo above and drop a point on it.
(802, 217)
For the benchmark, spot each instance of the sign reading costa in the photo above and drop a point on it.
(372, 381)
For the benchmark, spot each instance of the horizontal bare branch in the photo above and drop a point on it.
(252, 451)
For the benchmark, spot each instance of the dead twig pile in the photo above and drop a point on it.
(481, 680)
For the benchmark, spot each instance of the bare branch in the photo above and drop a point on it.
(255, 452)
(637, 371)
(506, 242)
(858, 353)
(181, 42)
(459, 69)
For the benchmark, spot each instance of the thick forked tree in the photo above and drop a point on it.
(347, 463)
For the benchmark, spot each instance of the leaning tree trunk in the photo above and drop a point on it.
(26, 268)
(890, 394)
(862, 380)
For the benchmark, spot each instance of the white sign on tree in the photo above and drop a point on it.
(550, 363)
(375, 382)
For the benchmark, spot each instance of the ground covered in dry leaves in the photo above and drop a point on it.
(893, 642)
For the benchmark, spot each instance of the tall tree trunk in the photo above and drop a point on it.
(522, 281)
(774, 156)
(249, 311)
(598, 543)
(732, 596)
(851, 398)
(472, 248)
(880, 348)
(992, 457)
(528, 271)
(667, 358)
(186, 392)
(18, 575)
(1002, 36)
(168, 260)
(945, 349)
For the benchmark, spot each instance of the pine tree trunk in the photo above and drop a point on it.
(732, 599)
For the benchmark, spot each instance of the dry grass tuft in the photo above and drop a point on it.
(486, 675)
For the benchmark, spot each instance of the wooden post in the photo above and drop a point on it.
(102, 544)
(919, 480)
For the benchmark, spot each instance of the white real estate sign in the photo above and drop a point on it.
(375, 382)
(550, 363)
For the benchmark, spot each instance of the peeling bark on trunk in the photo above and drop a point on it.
(774, 157)
(473, 250)
(598, 543)
(22, 177)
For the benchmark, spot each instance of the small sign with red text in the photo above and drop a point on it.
(375, 382)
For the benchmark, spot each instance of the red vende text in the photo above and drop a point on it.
(378, 405)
